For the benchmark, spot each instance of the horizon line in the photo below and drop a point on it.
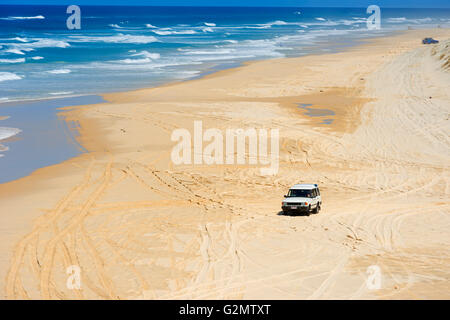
(201, 6)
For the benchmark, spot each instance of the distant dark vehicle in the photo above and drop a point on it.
(429, 41)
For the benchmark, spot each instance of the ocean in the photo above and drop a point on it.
(125, 48)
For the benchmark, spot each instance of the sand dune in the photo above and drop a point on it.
(140, 227)
(441, 52)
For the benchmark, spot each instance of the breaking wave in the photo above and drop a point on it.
(60, 71)
(24, 18)
(7, 76)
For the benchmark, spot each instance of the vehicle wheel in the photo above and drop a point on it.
(317, 209)
(308, 212)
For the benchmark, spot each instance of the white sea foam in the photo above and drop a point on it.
(24, 18)
(262, 26)
(262, 48)
(39, 43)
(207, 29)
(20, 60)
(227, 57)
(115, 26)
(60, 71)
(267, 25)
(120, 65)
(134, 61)
(423, 20)
(351, 22)
(15, 51)
(146, 54)
(48, 43)
(396, 20)
(405, 20)
(186, 74)
(150, 26)
(119, 38)
(37, 58)
(278, 23)
(274, 23)
(312, 36)
(60, 93)
(6, 76)
(169, 32)
(247, 49)
(20, 39)
(321, 19)
(6, 133)
(210, 24)
(147, 57)
(209, 52)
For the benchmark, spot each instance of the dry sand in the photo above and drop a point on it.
(140, 227)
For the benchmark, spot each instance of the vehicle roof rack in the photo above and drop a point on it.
(305, 186)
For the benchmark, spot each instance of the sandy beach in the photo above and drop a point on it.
(140, 227)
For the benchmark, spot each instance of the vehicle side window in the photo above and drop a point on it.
(314, 193)
(318, 192)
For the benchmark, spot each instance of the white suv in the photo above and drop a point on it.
(302, 198)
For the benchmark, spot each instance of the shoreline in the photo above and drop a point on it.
(42, 139)
(103, 128)
(208, 72)
(220, 67)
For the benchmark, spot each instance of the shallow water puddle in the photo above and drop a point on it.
(327, 121)
(314, 112)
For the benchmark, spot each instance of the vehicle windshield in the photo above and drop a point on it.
(300, 193)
